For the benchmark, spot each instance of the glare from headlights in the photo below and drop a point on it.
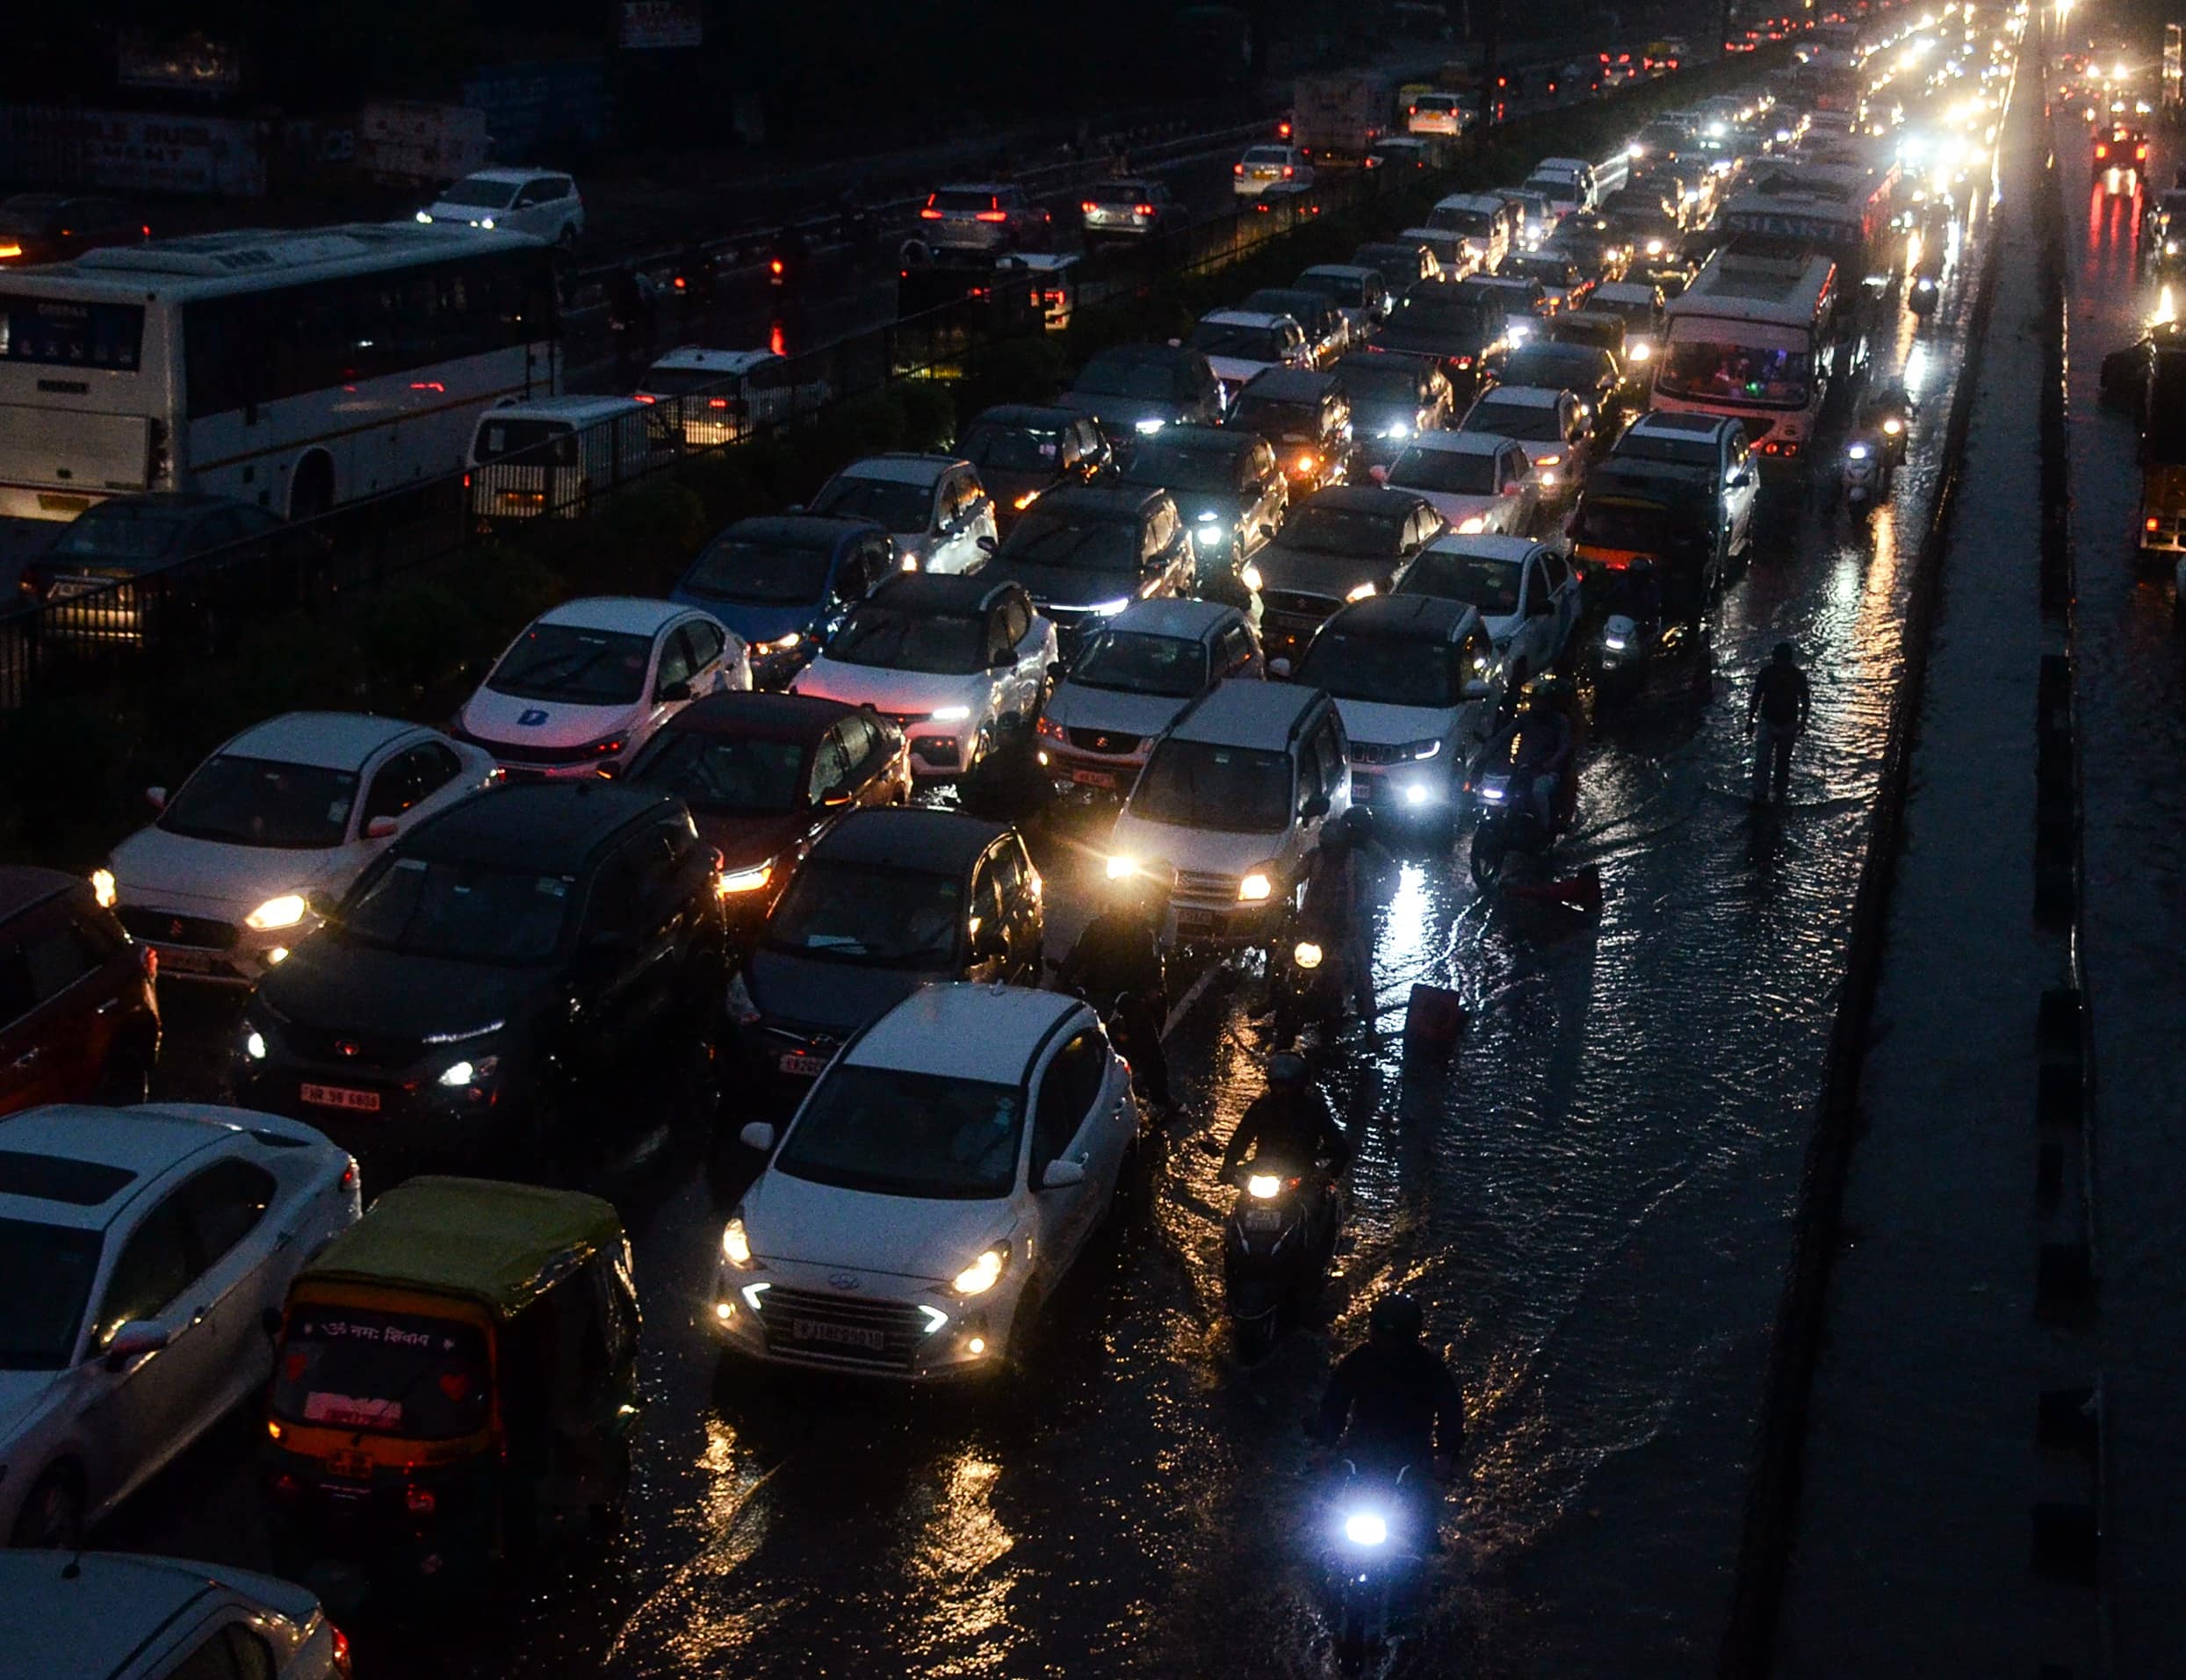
(1148, 428)
(1306, 955)
(1364, 1528)
(487, 224)
(1857, 451)
(784, 643)
(103, 888)
(744, 880)
(1360, 592)
(284, 911)
(253, 1045)
(1255, 887)
(1400, 430)
(980, 1276)
(736, 1246)
(1417, 794)
(1109, 609)
(1119, 867)
(1264, 1186)
(951, 714)
(425, 216)
(1472, 525)
(459, 1074)
(1207, 533)
(1891, 427)
(1248, 575)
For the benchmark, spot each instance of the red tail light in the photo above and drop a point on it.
(717, 402)
(1411, 110)
(148, 230)
(678, 283)
(1087, 206)
(2139, 152)
(422, 1502)
(466, 480)
(1236, 169)
(1282, 131)
(930, 214)
(1142, 210)
(644, 398)
(341, 1651)
(994, 215)
(774, 266)
(1289, 170)
(151, 962)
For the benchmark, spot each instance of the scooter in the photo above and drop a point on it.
(1926, 294)
(1275, 1247)
(1622, 648)
(1377, 1556)
(1864, 475)
(1502, 780)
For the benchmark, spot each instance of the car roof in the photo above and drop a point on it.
(1525, 396)
(965, 1030)
(551, 827)
(1459, 443)
(939, 591)
(635, 615)
(1408, 617)
(1488, 545)
(913, 836)
(1186, 620)
(23, 886)
(1291, 385)
(1109, 503)
(1339, 271)
(1382, 498)
(333, 740)
(1214, 440)
(777, 717)
(514, 173)
(1244, 711)
(97, 1611)
(1027, 415)
(697, 355)
(901, 467)
(1138, 351)
(1695, 425)
(143, 1141)
(798, 530)
(974, 186)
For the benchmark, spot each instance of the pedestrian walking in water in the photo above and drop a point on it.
(1776, 716)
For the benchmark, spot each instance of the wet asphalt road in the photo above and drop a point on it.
(1595, 1200)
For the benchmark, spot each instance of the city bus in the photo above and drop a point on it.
(1753, 337)
(294, 371)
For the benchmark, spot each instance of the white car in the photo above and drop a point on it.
(1241, 342)
(1265, 167)
(160, 1238)
(589, 683)
(281, 818)
(1435, 113)
(1551, 426)
(935, 507)
(933, 1190)
(119, 1616)
(1416, 680)
(1527, 593)
(946, 657)
(981, 216)
(706, 396)
(1476, 482)
(544, 203)
(1482, 223)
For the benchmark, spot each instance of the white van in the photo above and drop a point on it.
(1575, 173)
(1484, 224)
(708, 397)
(548, 458)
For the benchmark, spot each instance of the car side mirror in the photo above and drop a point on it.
(381, 828)
(1314, 809)
(133, 1340)
(673, 692)
(1061, 1175)
(1279, 667)
(155, 797)
(758, 1135)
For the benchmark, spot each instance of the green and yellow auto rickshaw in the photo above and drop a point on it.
(456, 1380)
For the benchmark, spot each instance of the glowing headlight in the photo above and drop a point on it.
(744, 880)
(1306, 462)
(460, 1074)
(1417, 794)
(1306, 955)
(1857, 452)
(1364, 1528)
(980, 1276)
(736, 1246)
(1472, 525)
(1654, 247)
(103, 888)
(284, 911)
(425, 216)
(1109, 609)
(1398, 430)
(487, 224)
(1120, 867)
(1615, 644)
(1264, 1187)
(1025, 501)
(1248, 575)
(1891, 427)
(783, 644)
(253, 1045)
(1255, 887)
(951, 714)
(1148, 428)
(2170, 248)
(1643, 350)
(1207, 533)
(1360, 592)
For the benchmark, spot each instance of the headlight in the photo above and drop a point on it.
(1306, 955)
(103, 888)
(744, 880)
(1891, 427)
(1398, 430)
(1615, 644)
(1472, 525)
(487, 224)
(783, 644)
(1120, 867)
(1423, 750)
(1207, 533)
(1256, 886)
(460, 1074)
(1549, 460)
(2170, 248)
(1360, 592)
(1148, 428)
(1025, 501)
(254, 1044)
(1364, 1528)
(284, 911)
(1857, 452)
(1264, 1186)
(1109, 609)
(981, 1275)
(1417, 793)
(951, 714)
(1306, 462)
(425, 216)
(736, 1247)
(1248, 575)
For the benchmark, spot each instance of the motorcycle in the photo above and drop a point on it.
(1622, 648)
(1378, 1553)
(1502, 779)
(1864, 475)
(1306, 977)
(1276, 1245)
(1927, 293)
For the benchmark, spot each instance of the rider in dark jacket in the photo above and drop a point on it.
(1394, 1405)
(1117, 960)
(1290, 1124)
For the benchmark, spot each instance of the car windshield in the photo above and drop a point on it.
(1381, 380)
(961, 199)
(466, 912)
(241, 801)
(530, 442)
(1382, 670)
(586, 668)
(121, 533)
(1765, 376)
(1528, 422)
(895, 1134)
(1477, 580)
(1281, 423)
(1133, 662)
(1702, 451)
(1635, 312)
(1066, 540)
(1445, 471)
(724, 774)
(1549, 271)
(941, 643)
(1012, 448)
(1127, 376)
(842, 910)
(39, 1326)
(761, 574)
(1267, 154)
(1639, 526)
(1557, 367)
(1132, 192)
(1335, 288)
(1199, 785)
(1448, 218)
(890, 503)
(1437, 306)
(1345, 530)
(1165, 464)
(1240, 343)
(474, 194)
(345, 1368)
(686, 381)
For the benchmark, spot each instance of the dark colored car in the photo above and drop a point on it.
(1559, 277)
(498, 962)
(1400, 261)
(1644, 219)
(1025, 450)
(1227, 484)
(79, 1014)
(1587, 369)
(888, 901)
(1326, 330)
(1304, 416)
(785, 582)
(1085, 553)
(53, 227)
(1600, 252)
(1136, 388)
(1393, 399)
(1458, 330)
(1341, 545)
(764, 775)
(168, 563)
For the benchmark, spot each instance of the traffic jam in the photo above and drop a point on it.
(844, 1115)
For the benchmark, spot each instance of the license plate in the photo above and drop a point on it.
(805, 1067)
(1362, 787)
(336, 1096)
(351, 1466)
(1093, 778)
(811, 1330)
(1196, 921)
(1262, 1219)
(185, 960)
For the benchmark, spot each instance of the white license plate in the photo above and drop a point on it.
(1093, 778)
(806, 1067)
(1262, 1219)
(812, 1330)
(183, 960)
(337, 1096)
(1194, 921)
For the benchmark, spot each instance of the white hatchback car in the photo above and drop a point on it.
(161, 1238)
(589, 683)
(1527, 593)
(118, 1616)
(947, 658)
(933, 1190)
(1551, 426)
(544, 203)
(1478, 482)
(281, 817)
(1263, 168)
(935, 507)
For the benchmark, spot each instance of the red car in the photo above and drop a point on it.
(765, 775)
(79, 1015)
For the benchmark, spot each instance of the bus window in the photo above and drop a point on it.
(54, 332)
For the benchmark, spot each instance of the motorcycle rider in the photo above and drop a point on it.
(1291, 1125)
(1549, 741)
(1631, 591)
(1344, 881)
(1118, 958)
(1781, 701)
(1397, 1405)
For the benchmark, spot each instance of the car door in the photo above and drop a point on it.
(246, 1266)
(1071, 1123)
(35, 1056)
(986, 929)
(1515, 484)
(652, 898)
(618, 982)
(719, 661)
(1563, 590)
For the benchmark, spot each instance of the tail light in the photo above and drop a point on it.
(679, 282)
(1236, 169)
(467, 477)
(930, 214)
(1411, 110)
(2101, 151)
(774, 267)
(2152, 523)
(717, 402)
(419, 1502)
(994, 215)
(341, 1651)
(1142, 210)
(151, 962)
(1282, 131)
(2139, 152)
(1087, 206)
(1289, 170)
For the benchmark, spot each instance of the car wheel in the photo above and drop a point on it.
(51, 1518)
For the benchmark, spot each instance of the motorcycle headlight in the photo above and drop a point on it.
(1615, 643)
(1264, 1186)
(983, 1273)
(284, 911)
(1366, 1528)
(1025, 501)
(254, 1044)
(1148, 428)
(1856, 452)
(736, 1246)
(1121, 867)
(1248, 575)
(426, 217)
(1306, 955)
(1256, 886)
(1642, 350)
(1891, 427)
(1208, 534)
(103, 888)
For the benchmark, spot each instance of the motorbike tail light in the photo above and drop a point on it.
(1289, 170)
(419, 1502)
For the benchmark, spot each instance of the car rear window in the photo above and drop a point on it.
(54, 1177)
(385, 1373)
(953, 199)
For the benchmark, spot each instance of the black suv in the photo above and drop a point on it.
(1084, 553)
(496, 960)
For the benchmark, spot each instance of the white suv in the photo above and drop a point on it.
(1232, 799)
(935, 507)
(933, 1189)
(539, 202)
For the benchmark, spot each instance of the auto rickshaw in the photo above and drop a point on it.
(455, 1380)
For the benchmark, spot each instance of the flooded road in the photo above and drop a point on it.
(1594, 1201)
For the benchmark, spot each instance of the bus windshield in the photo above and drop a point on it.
(1706, 371)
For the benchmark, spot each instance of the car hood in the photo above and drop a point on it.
(1211, 850)
(1457, 509)
(833, 998)
(1226, 507)
(1068, 588)
(1333, 575)
(1005, 486)
(887, 689)
(1076, 706)
(790, 1219)
(747, 842)
(20, 1392)
(1386, 725)
(490, 717)
(153, 866)
(1119, 412)
(1236, 369)
(334, 984)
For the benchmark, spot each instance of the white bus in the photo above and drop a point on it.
(1753, 337)
(292, 370)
